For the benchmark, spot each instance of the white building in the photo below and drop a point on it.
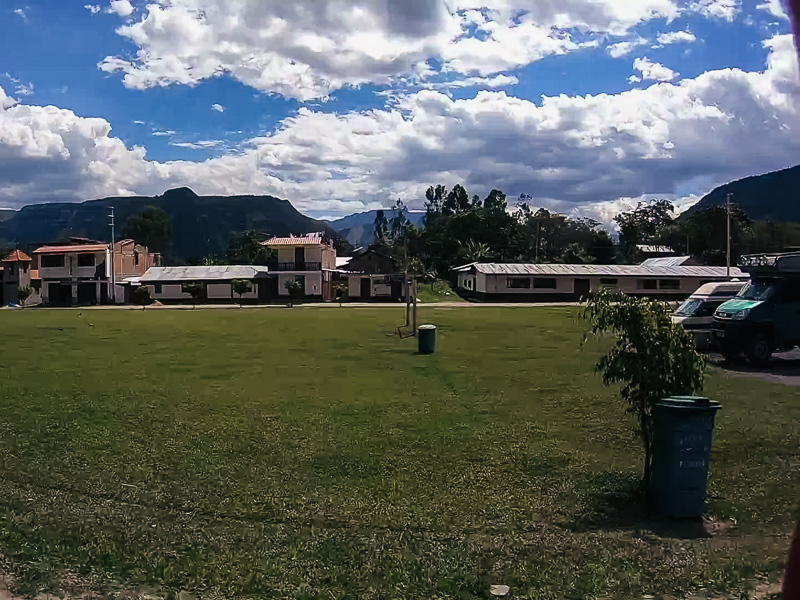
(308, 259)
(81, 273)
(555, 282)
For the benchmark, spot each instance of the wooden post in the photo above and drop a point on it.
(416, 293)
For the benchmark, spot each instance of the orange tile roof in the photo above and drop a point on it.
(17, 256)
(312, 239)
(67, 249)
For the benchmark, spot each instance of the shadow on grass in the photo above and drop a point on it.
(617, 501)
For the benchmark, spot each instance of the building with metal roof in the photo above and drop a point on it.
(202, 273)
(497, 281)
(167, 284)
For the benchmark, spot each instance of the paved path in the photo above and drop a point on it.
(330, 305)
(784, 368)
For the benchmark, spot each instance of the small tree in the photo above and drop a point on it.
(141, 296)
(23, 294)
(340, 291)
(295, 289)
(241, 287)
(652, 358)
(195, 290)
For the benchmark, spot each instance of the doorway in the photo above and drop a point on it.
(583, 287)
(299, 259)
(366, 288)
(59, 294)
(268, 289)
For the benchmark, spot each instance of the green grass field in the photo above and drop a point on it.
(306, 454)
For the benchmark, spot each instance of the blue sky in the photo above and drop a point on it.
(340, 110)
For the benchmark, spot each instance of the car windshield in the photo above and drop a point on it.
(689, 308)
(758, 290)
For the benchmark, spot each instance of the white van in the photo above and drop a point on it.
(697, 313)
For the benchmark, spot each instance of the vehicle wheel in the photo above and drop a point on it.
(760, 350)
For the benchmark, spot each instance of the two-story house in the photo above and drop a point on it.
(308, 259)
(81, 273)
(18, 273)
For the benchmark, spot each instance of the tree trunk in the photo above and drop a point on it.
(647, 441)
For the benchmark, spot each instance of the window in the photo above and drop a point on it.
(647, 284)
(609, 282)
(52, 261)
(519, 283)
(158, 288)
(85, 260)
(135, 258)
(669, 284)
(24, 267)
(544, 284)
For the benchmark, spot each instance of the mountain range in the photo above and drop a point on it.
(774, 196)
(201, 225)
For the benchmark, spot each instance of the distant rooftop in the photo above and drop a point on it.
(648, 249)
(17, 256)
(552, 270)
(310, 239)
(67, 248)
(667, 261)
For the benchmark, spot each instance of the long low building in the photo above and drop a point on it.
(166, 284)
(556, 282)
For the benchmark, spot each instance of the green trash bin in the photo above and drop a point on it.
(682, 433)
(426, 334)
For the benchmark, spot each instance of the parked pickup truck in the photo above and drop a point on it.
(765, 316)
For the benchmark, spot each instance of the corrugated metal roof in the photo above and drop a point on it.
(68, 249)
(212, 273)
(312, 239)
(17, 256)
(666, 261)
(604, 270)
(343, 261)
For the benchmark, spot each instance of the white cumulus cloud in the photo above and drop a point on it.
(567, 151)
(92, 8)
(621, 49)
(727, 10)
(653, 71)
(676, 37)
(122, 7)
(218, 107)
(775, 8)
(306, 49)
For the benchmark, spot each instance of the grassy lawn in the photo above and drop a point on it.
(444, 293)
(306, 454)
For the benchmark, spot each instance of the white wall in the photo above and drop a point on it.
(497, 284)
(312, 254)
(313, 283)
(169, 291)
(219, 291)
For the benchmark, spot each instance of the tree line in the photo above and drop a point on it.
(459, 229)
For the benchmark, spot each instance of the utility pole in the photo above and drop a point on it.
(113, 261)
(728, 204)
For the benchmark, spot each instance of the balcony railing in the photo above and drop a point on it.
(295, 266)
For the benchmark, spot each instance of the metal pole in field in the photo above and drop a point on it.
(728, 204)
(113, 260)
(416, 293)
